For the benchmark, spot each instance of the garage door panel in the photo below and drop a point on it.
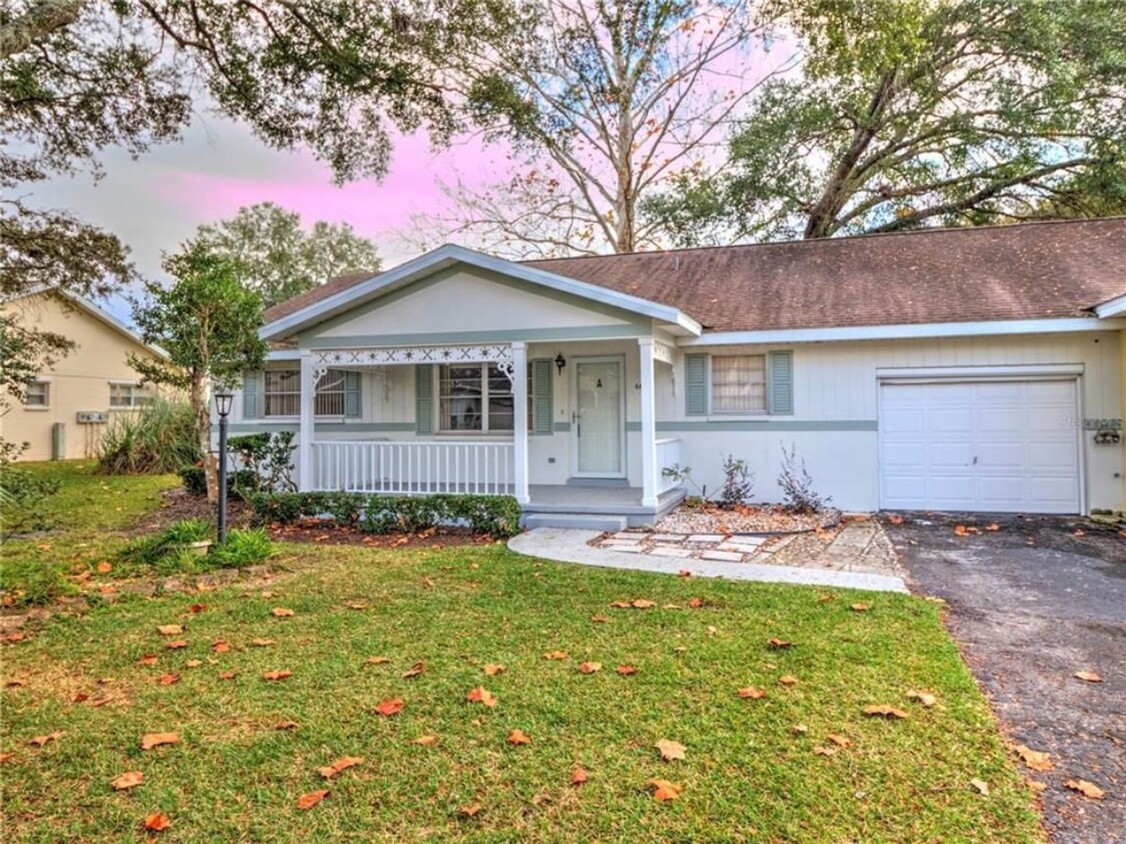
(987, 446)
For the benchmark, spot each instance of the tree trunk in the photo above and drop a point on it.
(201, 405)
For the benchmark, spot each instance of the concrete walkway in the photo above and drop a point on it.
(571, 546)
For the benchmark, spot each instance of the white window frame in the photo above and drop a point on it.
(137, 395)
(317, 394)
(484, 430)
(45, 383)
(729, 414)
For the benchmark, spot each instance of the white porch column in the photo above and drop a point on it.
(520, 420)
(305, 443)
(649, 466)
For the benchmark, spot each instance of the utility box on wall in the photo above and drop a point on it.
(92, 417)
(58, 441)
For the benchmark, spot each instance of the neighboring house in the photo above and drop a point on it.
(69, 406)
(977, 369)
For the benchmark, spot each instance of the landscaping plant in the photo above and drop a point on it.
(798, 495)
(738, 483)
(153, 440)
(23, 494)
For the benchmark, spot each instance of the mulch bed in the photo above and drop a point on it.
(761, 520)
(178, 505)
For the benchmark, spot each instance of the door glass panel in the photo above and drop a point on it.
(599, 430)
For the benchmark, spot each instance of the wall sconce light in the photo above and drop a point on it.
(560, 362)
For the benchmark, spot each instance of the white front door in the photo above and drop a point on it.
(992, 446)
(599, 420)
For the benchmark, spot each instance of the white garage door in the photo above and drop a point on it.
(1004, 447)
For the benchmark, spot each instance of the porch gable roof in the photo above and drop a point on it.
(284, 322)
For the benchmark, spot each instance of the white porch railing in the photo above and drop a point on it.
(668, 455)
(414, 468)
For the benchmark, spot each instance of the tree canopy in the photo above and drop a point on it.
(917, 113)
(279, 258)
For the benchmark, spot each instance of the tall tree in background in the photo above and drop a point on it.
(208, 323)
(279, 258)
(920, 112)
(81, 76)
(602, 102)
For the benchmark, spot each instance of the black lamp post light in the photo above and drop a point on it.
(224, 398)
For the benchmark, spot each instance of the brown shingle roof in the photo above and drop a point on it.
(1026, 271)
(296, 303)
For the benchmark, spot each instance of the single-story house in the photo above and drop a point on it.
(70, 404)
(973, 369)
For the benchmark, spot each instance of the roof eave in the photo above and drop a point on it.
(1111, 308)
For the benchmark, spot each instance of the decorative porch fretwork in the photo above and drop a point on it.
(496, 353)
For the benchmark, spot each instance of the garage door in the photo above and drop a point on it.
(991, 446)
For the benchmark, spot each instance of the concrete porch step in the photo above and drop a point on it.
(576, 521)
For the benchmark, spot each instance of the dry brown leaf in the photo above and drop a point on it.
(493, 669)
(39, 741)
(519, 737)
(626, 670)
(390, 707)
(981, 785)
(860, 607)
(281, 612)
(642, 604)
(825, 751)
(670, 750)
(684, 573)
(927, 699)
(1035, 759)
(130, 779)
(193, 663)
(663, 790)
(696, 603)
(308, 801)
(883, 711)
(151, 740)
(104, 567)
(1087, 789)
(220, 646)
(824, 599)
(788, 680)
(414, 671)
(1036, 787)
(555, 655)
(620, 605)
(1088, 676)
(357, 605)
(262, 643)
(177, 644)
(590, 667)
(277, 675)
(147, 659)
(799, 729)
(779, 644)
(157, 821)
(426, 741)
(377, 660)
(895, 519)
(469, 811)
(286, 725)
(839, 740)
(751, 693)
(227, 675)
(342, 764)
(170, 629)
(600, 619)
(169, 679)
(479, 695)
(196, 609)
(992, 527)
(4, 757)
(579, 776)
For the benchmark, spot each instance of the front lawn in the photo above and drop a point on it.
(749, 773)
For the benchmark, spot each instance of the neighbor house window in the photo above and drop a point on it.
(125, 396)
(739, 384)
(38, 394)
(474, 398)
(283, 393)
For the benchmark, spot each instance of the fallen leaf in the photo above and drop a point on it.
(895, 519)
(626, 670)
(884, 711)
(1035, 759)
(665, 790)
(779, 644)
(170, 629)
(824, 599)
(1087, 789)
(670, 750)
(1089, 676)
(799, 729)
(642, 604)
(470, 811)
(357, 605)
(860, 607)
(839, 740)
(1079, 533)
(276, 675)
(104, 567)
(377, 660)
(286, 725)
(479, 695)
(414, 671)
(343, 764)
(684, 573)
(80, 697)
(590, 667)
(281, 612)
(130, 779)
(750, 692)
(960, 530)
(157, 821)
(308, 801)
(993, 527)
(220, 646)
(193, 663)
(1036, 787)
(981, 785)
(696, 603)
(176, 644)
(927, 699)
(555, 655)
(600, 619)
(147, 659)
(492, 669)
(39, 741)
(169, 679)
(4, 757)
(825, 751)
(390, 707)
(151, 740)
(196, 609)
(261, 643)
(426, 741)
(227, 675)
(518, 737)
(788, 680)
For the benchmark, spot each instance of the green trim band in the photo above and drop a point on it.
(324, 427)
(770, 425)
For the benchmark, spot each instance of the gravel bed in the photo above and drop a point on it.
(763, 520)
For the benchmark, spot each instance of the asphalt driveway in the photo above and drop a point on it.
(1031, 603)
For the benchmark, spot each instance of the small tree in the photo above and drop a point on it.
(208, 323)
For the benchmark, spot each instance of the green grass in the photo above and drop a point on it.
(747, 777)
(86, 514)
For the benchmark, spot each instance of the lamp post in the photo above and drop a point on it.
(223, 400)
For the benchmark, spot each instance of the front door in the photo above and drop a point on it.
(599, 419)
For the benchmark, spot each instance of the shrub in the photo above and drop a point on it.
(738, 483)
(243, 548)
(798, 495)
(170, 543)
(156, 439)
(238, 483)
(267, 461)
(23, 493)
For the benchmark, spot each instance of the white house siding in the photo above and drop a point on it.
(834, 425)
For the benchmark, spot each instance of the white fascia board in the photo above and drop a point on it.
(1115, 307)
(283, 354)
(903, 332)
(448, 255)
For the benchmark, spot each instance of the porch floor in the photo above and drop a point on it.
(596, 500)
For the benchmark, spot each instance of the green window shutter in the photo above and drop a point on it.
(352, 394)
(250, 395)
(782, 383)
(696, 385)
(543, 413)
(423, 399)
